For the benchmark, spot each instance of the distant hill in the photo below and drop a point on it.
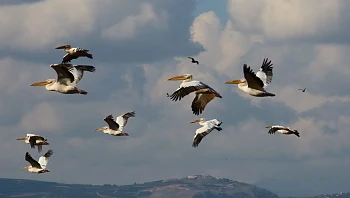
(190, 187)
(336, 195)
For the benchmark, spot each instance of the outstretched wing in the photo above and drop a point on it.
(275, 128)
(253, 81)
(32, 161)
(64, 76)
(215, 122)
(111, 123)
(76, 54)
(265, 72)
(43, 160)
(123, 119)
(78, 71)
(200, 134)
(200, 101)
(187, 88)
(32, 142)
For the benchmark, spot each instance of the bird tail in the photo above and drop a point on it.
(269, 94)
(82, 92)
(86, 68)
(89, 55)
(296, 133)
(218, 128)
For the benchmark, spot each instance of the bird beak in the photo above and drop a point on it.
(233, 82)
(99, 129)
(20, 138)
(194, 121)
(178, 78)
(26, 168)
(268, 127)
(61, 47)
(41, 83)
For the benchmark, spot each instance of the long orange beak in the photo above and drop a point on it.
(42, 83)
(233, 82)
(178, 78)
(194, 121)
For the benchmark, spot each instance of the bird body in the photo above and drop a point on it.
(282, 130)
(116, 127)
(40, 165)
(35, 140)
(207, 127)
(68, 76)
(204, 93)
(255, 84)
(73, 53)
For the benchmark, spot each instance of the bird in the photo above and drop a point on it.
(255, 84)
(40, 165)
(35, 140)
(73, 53)
(303, 90)
(207, 127)
(115, 128)
(282, 130)
(68, 76)
(193, 61)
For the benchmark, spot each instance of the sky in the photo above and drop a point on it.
(137, 46)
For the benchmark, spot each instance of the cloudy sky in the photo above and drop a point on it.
(137, 46)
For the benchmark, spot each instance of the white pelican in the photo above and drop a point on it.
(207, 127)
(115, 128)
(282, 130)
(68, 76)
(35, 140)
(204, 93)
(38, 166)
(73, 53)
(255, 84)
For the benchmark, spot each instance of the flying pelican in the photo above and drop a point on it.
(68, 76)
(73, 53)
(207, 127)
(255, 84)
(303, 90)
(282, 130)
(115, 128)
(33, 140)
(38, 166)
(193, 61)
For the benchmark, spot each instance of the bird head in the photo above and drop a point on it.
(182, 77)
(199, 120)
(43, 83)
(101, 129)
(66, 46)
(236, 81)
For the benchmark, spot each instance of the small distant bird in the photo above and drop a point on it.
(207, 127)
(282, 130)
(115, 128)
(38, 166)
(303, 90)
(73, 53)
(68, 76)
(204, 93)
(35, 140)
(193, 61)
(255, 84)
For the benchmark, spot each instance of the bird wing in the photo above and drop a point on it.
(43, 160)
(68, 57)
(200, 134)
(200, 101)
(64, 76)
(123, 119)
(187, 88)
(78, 71)
(191, 58)
(111, 123)
(265, 72)
(215, 122)
(32, 161)
(253, 81)
(30, 134)
(276, 128)
(32, 140)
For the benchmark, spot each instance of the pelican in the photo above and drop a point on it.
(38, 166)
(204, 93)
(73, 53)
(207, 127)
(255, 84)
(115, 128)
(282, 130)
(193, 61)
(35, 140)
(68, 76)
